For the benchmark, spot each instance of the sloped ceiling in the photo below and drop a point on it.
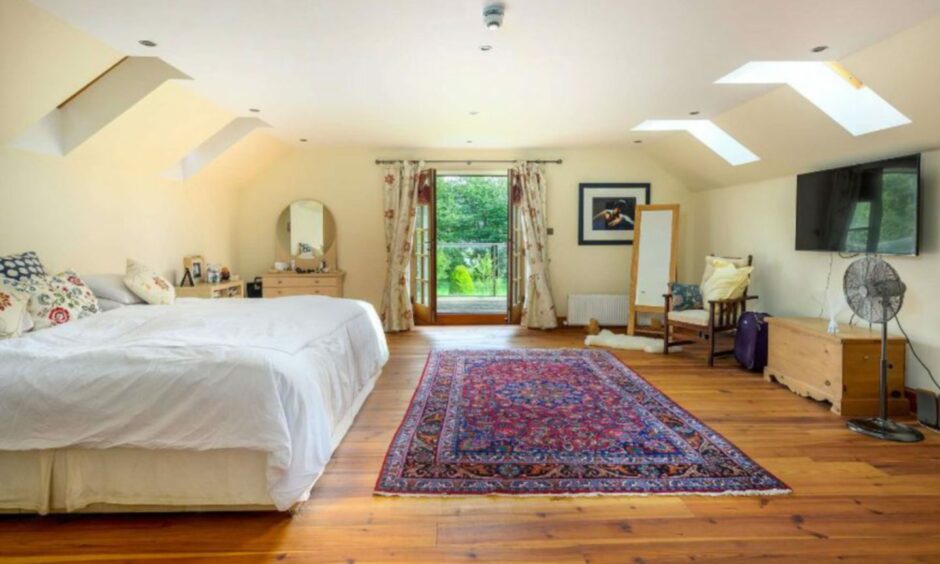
(44, 61)
(792, 136)
(407, 73)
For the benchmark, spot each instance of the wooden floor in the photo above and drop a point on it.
(855, 499)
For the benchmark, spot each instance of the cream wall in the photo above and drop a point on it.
(348, 182)
(106, 200)
(760, 219)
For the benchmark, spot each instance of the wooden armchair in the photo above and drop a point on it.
(717, 317)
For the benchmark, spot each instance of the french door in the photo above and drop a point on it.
(515, 289)
(424, 290)
(424, 252)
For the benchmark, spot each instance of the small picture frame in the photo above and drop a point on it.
(196, 267)
(607, 210)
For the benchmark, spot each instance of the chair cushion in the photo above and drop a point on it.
(685, 296)
(712, 261)
(694, 316)
(726, 282)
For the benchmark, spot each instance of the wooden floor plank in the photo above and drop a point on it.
(854, 498)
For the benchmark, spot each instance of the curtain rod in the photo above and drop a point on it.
(468, 161)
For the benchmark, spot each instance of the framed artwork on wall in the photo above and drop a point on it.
(606, 211)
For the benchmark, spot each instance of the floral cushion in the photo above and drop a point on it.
(685, 296)
(54, 300)
(13, 304)
(22, 266)
(147, 284)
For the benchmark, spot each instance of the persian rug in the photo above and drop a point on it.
(556, 422)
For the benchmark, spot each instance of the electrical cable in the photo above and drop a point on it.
(914, 352)
(825, 298)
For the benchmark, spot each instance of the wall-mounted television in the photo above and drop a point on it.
(865, 208)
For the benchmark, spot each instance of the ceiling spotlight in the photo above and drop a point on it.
(469, 141)
(485, 48)
(147, 43)
(303, 139)
(474, 112)
(637, 140)
(694, 113)
(819, 48)
(254, 110)
(493, 16)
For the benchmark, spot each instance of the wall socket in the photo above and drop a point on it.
(550, 230)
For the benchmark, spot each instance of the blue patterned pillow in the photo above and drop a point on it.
(685, 296)
(21, 267)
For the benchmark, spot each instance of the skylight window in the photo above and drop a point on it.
(714, 137)
(830, 87)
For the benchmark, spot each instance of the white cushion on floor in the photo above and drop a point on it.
(696, 316)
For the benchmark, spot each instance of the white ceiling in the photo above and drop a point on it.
(406, 73)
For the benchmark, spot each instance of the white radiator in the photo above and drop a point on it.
(607, 309)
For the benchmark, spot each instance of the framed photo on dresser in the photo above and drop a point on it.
(606, 211)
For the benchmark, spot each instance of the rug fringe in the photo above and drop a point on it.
(744, 493)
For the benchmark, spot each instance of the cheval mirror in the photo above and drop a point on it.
(655, 241)
(306, 234)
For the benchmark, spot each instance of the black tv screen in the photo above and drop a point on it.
(865, 208)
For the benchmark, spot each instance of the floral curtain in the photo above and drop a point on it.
(401, 186)
(539, 309)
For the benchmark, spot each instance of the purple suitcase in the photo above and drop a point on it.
(750, 342)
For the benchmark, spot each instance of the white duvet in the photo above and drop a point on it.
(269, 375)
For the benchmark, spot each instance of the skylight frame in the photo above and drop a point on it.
(706, 131)
(828, 86)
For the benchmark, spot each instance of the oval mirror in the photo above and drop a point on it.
(305, 230)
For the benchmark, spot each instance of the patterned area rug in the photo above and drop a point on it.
(556, 422)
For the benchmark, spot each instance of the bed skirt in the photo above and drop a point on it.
(140, 480)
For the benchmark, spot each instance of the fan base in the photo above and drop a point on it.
(885, 429)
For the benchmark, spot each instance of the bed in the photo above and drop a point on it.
(200, 405)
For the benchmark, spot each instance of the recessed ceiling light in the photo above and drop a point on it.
(486, 48)
(147, 43)
(254, 110)
(714, 137)
(474, 112)
(303, 139)
(637, 140)
(830, 87)
(469, 141)
(694, 113)
(819, 48)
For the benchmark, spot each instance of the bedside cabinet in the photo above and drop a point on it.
(278, 284)
(230, 289)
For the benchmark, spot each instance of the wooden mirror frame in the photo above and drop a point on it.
(635, 309)
(282, 252)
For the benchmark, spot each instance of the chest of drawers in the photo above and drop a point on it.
(278, 284)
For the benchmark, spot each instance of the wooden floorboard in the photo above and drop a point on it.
(855, 499)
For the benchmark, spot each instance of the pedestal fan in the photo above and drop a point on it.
(875, 293)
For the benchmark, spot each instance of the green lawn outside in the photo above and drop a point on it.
(443, 289)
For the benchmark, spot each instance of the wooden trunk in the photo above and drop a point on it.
(841, 368)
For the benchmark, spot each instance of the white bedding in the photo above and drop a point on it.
(269, 375)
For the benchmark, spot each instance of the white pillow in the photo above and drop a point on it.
(712, 262)
(13, 302)
(148, 285)
(726, 282)
(107, 305)
(111, 287)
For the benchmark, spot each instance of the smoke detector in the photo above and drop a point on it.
(493, 16)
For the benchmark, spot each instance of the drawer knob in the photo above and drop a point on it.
(828, 383)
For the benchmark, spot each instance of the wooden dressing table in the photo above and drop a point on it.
(277, 284)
